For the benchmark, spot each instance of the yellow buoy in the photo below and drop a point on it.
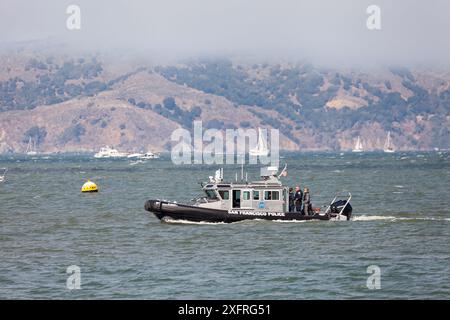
(89, 186)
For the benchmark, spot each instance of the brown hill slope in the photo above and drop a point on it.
(86, 125)
(80, 104)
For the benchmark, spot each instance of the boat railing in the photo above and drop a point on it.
(347, 201)
(199, 200)
(203, 200)
(329, 206)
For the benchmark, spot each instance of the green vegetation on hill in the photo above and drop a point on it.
(37, 134)
(276, 88)
(302, 101)
(52, 84)
(170, 110)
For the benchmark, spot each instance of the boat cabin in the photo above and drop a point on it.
(267, 194)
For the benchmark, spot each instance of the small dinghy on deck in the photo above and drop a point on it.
(226, 202)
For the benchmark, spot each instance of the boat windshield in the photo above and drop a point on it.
(224, 194)
(211, 194)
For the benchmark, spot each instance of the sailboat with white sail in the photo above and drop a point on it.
(261, 148)
(31, 147)
(358, 146)
(3, 172)
(388, 146)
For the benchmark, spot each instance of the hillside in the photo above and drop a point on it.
(72, 104)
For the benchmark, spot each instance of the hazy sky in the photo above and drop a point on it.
(326, 32)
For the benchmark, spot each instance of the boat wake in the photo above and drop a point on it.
(179, 221)
(294, 221)
(355, 218)
(392, 218)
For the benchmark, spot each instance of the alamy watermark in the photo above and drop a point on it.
(373, 22)
(73, 22)
(374, 280)
(74, 280)
(212, 146)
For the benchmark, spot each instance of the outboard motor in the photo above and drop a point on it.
(337, 206)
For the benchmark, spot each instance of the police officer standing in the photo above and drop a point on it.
(291, 200)
(306, 202)
(298, 196)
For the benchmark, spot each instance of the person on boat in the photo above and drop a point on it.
(298, 196)
(306, 202)
(291, 200)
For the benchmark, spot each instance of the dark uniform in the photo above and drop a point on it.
(298, 196)
(291, 200)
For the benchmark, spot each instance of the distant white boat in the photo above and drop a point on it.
(108, 152)
(31, 147)
(135, 155)
(358, 146)
(388, 146)
(261, 148)
(143, 156)
(3, 172)
(149, 155)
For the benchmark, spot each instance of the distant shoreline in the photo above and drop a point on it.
(283, 152)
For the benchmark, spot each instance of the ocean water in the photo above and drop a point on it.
(401, 225)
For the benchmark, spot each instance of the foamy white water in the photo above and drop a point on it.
(393, 218)
(180, 221)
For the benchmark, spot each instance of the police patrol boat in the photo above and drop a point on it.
(230, 202)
